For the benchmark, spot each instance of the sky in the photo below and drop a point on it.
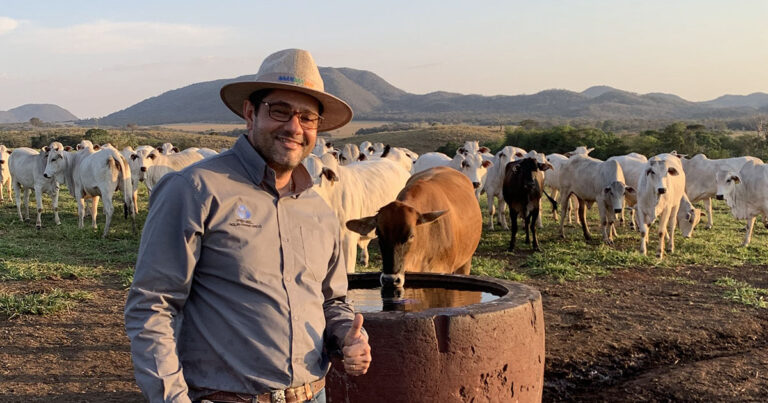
(97, 57)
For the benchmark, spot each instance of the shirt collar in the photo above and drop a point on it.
(258, 170)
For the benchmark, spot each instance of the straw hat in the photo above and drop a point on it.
(295, 70)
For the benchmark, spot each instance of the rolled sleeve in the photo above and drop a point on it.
(169, 249)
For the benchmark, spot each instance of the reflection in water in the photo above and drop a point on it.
(413, 299)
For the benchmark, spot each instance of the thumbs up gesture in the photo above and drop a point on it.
(357, 352)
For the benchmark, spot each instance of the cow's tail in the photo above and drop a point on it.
(551, 200)
(124, 179)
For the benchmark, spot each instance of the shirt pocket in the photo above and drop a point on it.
(318, 249)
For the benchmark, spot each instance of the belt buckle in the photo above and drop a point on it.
(277, 396)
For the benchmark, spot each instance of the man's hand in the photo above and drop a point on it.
(357, 352)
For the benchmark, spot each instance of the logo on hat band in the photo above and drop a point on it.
(298, 81)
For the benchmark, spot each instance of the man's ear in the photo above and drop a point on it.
(248, 114)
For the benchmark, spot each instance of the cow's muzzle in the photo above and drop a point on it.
(2, 162)
(391, 280)
(143, 169)
(476, 184)
(662, 191)
(720, 197)
(617, 210)
(46, 175)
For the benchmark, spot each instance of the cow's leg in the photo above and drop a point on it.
(349, 248)
(564, 198)
(10, 196)
(538, 216)
(533, 230)
(527, 218)
(663, 222)
(671, 229)
(55, 198)
(491, 211)
(583, 218)
(136, 202)
(26, 203)
(363, 244)
(108, 210)
(39, 202)
(465, 268)
(17, 191)
(513, 228)
(570, 210)
(750, 225)
(605, 224)
(555, 196)
(643, 229)
(502, 211)
(708, 206)
(80, 212)
(94, 211)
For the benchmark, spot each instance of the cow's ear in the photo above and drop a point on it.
(334, 153)
(175, 149)
(159, 148)
(589, 150)
(361, 157)
(46, 149)
(461, 150)
(96, 147)
(629, 189)
(703, 213)
(67, 148)
(544, 166)
(487, 164)
(10, 151)
(328, 145)
(672, 171)
(519, 154)
(568, 154)
(363, 225)
(329, 174)
(736, 179)
(484, 150)
(648, 171)
(427, 218)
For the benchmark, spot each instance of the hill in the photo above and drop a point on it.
(373, 98)
(44, 112)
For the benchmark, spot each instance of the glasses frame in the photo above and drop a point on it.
(314, 123)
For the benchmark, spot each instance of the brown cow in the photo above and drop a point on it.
(434, 226)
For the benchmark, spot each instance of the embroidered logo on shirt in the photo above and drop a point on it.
(243, 219)
(243, 212)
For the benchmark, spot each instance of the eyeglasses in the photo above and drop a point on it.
(284, 113)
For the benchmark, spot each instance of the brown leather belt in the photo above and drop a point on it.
(290, 395)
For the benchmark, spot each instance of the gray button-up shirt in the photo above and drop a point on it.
(236, 289)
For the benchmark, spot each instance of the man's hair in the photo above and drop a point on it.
(257, 97)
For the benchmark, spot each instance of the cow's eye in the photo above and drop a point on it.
(727, 181)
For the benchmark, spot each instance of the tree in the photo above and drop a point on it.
(36, 122)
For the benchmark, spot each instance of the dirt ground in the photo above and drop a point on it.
(635, 335)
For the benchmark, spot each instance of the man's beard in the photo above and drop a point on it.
(278, 158)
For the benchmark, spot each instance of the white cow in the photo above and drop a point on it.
(167, 149)
(102, 174)
(580, 150)
(322, 146)
(349, 154)
(494, 184)
(5, 173)
(688, 216)
(746, 193)
(366, 147)
(354, 191)
(660, 189)
(26, 167)
(633, 166)
(471, 165)
(552, 180)
(472, 147)
(61, 165)
(397, 154)
(700, 177)
(592, 180)
(154, 165)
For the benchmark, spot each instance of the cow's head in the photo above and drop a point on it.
(726, 184)
(658, 174)
(473, 167)
(397, 227)
(55, 162)
(528, 173)
(688, 218)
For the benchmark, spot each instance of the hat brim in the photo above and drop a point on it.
(336, 113)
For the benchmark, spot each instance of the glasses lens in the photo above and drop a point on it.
(280, 113)
(309, 119)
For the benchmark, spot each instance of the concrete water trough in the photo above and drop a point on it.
(490, 348)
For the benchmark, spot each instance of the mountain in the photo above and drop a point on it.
(373, 98)
(755, 100)
(44, 112)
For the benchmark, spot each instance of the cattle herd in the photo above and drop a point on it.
(425, 208)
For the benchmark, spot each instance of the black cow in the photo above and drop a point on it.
(522, 189)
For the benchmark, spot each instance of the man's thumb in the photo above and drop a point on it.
(354, 331)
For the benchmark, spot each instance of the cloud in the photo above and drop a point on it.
(106, 37)
(7, 25)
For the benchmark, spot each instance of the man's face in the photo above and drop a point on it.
(282, 144)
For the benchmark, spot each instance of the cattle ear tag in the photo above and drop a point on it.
(430, 217)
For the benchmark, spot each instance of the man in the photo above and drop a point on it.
(239, 281)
